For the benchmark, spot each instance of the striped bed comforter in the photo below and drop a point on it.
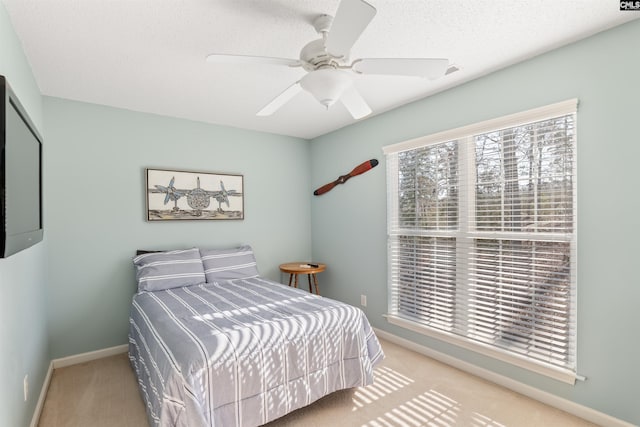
(244, 352)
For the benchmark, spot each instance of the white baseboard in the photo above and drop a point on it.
(43, 394)
(569, 406)
(68, 361)
(87, 357)
(563, 404)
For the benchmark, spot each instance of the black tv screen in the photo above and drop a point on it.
(20, 176)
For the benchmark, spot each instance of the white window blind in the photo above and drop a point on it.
(481, 234)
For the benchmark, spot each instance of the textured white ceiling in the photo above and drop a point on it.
(149, 55)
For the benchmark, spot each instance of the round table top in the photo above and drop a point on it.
(301, 267)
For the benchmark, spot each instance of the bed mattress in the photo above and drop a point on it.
(244, 352)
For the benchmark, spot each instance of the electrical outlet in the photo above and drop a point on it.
(363, 300)
(25, 384)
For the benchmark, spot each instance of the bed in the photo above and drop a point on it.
(213, 343)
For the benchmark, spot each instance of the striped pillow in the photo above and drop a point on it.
(227, 264)
(166, 270)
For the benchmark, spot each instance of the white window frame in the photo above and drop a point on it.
(464, 232)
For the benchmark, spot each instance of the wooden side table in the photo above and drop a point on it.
(295, 268)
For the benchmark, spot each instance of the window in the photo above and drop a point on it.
(482, 237)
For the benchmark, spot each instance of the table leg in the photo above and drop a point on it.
(315, 281)
(295, 281)
(290, 278)
(309, 278)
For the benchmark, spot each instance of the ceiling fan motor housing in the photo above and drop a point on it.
(315, 56)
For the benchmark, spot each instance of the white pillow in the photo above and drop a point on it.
(228, 264)
(157, 271)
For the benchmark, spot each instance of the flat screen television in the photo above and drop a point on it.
(20, 176)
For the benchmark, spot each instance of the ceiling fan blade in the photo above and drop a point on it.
(451, 69)
(354, 103)
(350, 20)
(431, 68)
(246, 59)
(280, 100)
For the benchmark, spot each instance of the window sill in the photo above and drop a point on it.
(553, 372)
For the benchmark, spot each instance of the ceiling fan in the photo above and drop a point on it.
(326, 61)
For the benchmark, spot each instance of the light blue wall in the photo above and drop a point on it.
(349, 223)
(23, 332)
(94, 212)
(96, 208)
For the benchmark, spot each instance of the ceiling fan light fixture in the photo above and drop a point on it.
(326, 85)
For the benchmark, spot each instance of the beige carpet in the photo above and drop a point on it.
(409, 390)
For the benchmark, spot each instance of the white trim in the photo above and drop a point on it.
(87, 357)
(68, 361)
(564, 376)
(536, 114)
(547, 398)
(35, 419)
